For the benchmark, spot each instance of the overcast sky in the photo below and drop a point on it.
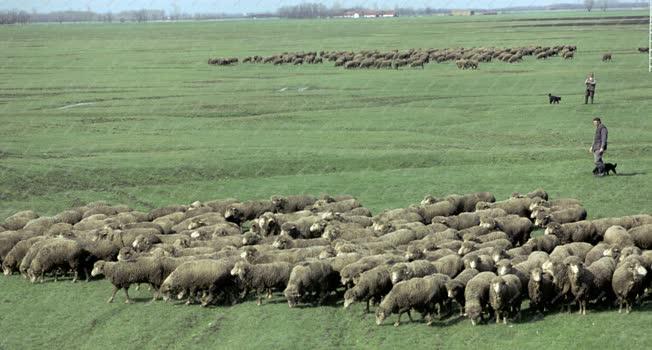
(238, 6)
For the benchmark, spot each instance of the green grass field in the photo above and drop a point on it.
(133, 114)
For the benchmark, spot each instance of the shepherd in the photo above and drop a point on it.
(599, 145)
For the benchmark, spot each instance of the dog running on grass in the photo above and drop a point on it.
(554, 99)
(607, 168)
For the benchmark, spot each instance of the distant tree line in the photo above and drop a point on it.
(304, 10)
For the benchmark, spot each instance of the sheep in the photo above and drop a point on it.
(59, 229)
(602, 225)
(541, 290)
(372, 286)
(592, 282)
(12, 260)
(205, 275)
(405, 271)
(403, 214)
(642, 236)
(498, 236)
(420, 294)
(198, 221)
(556, 204)
(581, 231)
(628, 283)
(340, 206)
(40, 225)
(241, 212)
(214, 231)
(270, 224)
(466, 220)
(350, 273)
(544, 243)
(414, 253)
(450, 265)
(31, 253)
(220, 205)
(467, 202)
(310, 277)
(8, 239)
(19, 220)
(457, 285)
(598, 251)
(292, 204)
(347, 232)
(300, 228)
(539, 192)
(476, 296)
(480, 262)
(285, 242)
(505, 296)
(516, 206)
(618, 236)
(71, 216)
(563, 216)
(122, 274)
(58, 253)
(517, 228)
(263, 277)
(429, 211)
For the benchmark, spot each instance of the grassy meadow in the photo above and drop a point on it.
(131, 113)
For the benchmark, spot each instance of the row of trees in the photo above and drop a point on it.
(143, 15)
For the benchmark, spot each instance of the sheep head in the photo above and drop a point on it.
(98, 268)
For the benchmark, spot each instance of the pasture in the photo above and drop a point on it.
(133, 114)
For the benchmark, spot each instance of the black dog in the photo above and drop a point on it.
(554, 99)
(607, 168)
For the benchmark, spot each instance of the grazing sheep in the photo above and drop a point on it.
(350, 273)
(563, 216)
(420, 294)
(592, 282)
(602, 225)
(458, 222)
(310, 277)
(348, 232)
(476, 296)
(517, 228)
(516, 206)
(429, 211)
(642, 236)
(480, 262)
(541, 290)
(59, 253)
(208, 276)
(71, 216)
(12, 260)
(340, 206)
(122, 274)
(505, 296)
(579, 249)
(405, 271)
(301, 228)
(372, 286)
(241, 212)
(450, 265)
(617, 236)
(606, 57)
(292, 204)
(457, 285)
(8, 239)
(628, 283)
(19, 220)
(539, 192)
(544, 243)
(286, 242)
(263, 277)
(581, 231)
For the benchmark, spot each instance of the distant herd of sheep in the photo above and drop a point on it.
(465, 252)
(464, 58)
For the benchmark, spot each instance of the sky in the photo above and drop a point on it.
(240, 6)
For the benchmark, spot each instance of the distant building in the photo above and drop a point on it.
(462, 12)
(367, 14)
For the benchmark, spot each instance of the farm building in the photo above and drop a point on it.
(462, 12)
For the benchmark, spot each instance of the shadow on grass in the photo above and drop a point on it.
(632, 174)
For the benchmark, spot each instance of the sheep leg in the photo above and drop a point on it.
(269, 294)
(115, 290)
(398, 322)
(497, 317)
(620, 306)
(410, 316)
(367, 308)
(259, 299)
(128, 301)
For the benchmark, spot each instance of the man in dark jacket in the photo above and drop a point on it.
(590, 88)
(599, 145)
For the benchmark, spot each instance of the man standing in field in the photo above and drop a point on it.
(590, 88)
(599, 145)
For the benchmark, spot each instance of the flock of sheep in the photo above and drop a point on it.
(465, 252)
(465, 58)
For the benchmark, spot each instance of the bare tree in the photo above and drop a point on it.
(588, 4)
